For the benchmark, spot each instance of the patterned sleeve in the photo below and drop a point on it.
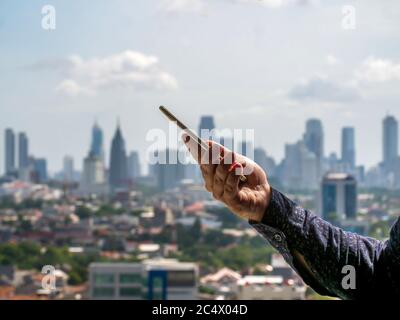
(328, 249)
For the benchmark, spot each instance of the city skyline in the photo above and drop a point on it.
(313, 142)
(55, 166)
(194, 64)
(103, 197)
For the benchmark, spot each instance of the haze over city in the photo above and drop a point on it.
(244, 72)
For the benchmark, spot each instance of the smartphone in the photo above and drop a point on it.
(201, 143)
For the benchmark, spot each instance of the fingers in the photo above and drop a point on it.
(209, 163)
(216, 166)
(208, 159)
(232, 183)
(208, 173)
(193, 147)
(203, 153)
(221, 174)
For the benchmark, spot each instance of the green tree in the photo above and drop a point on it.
(379, 230)
(83, 212)
(196, 229)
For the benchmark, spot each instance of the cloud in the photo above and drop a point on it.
(200, 6)
(378, 70)
(278, 3)
(71, 88)
(320, 89)
(331, 60)
(173, 6)
(129, 69)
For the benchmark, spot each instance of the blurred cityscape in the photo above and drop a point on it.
(113, 232)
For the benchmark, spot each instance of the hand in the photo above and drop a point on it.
(221, 169)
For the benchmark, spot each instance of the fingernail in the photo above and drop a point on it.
(234, 166)
(186, 139)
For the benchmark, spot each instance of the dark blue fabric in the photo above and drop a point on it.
(327, 249)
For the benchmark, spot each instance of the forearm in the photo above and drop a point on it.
(298, 234)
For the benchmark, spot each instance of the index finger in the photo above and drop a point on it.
(211, 154)
(193, 147)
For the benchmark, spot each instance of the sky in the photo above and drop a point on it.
(266, 65)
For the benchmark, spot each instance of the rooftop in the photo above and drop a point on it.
(338, 176)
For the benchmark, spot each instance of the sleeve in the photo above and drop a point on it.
(327, 250)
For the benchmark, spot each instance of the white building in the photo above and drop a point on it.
(269, 288)
(156, 279)
(93, 180)
(68, 171)
(338, 197)
(300, 167)
(134, 170)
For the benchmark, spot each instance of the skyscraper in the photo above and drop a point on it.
(168, 172)
(118, 176)
(300, 167)
(390, 141)
(314, 137)
(68, 171)
(96, 147)
(206, 131)
(9, 151)
(227, 142)
(339, 197)
(246, 148)
(348, 148)
(314, 142)
(93, 178)
(206, 123)
(23, 153)
(265, 162)
(133, 165)
(40, 170)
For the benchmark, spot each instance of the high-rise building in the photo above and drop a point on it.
(118, 175)
(227, 142)
(23, 151)
(9, 151)
(291, 173)
(339, 197)
(93, 180)
(348, 148)
(134, 165)
(40, 170)
(390, 141)
(206, 123)
(168, 171)
(68, 171)
(314, 137)
(96, 148)
(246, 148)
(206, 131)
(265, 162)
(314, 141)
(300, 167)
(310, 168)
(333, 163)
